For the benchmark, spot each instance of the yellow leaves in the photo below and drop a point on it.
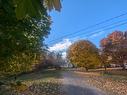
(53, 4)
(84, 54)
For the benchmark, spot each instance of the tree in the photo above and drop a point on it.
(51, 60)
(83, 54)
(53, 4)
(23, 26)
(105, 52)
(32, 8)
(116, 37)
(21, 42)
(115, 46)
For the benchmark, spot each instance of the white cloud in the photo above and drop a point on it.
(96, 34)
(61, 46)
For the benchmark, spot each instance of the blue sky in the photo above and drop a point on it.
(79, 14)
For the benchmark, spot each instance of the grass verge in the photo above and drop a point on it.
(38, 83)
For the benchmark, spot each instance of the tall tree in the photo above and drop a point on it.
(21, 41)
(23, 26)
(105, 52)
(83, 54)
(115, 46)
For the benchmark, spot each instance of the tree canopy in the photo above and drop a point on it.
(32, 8)
(115, 46)
(83, 54)
(21, 41)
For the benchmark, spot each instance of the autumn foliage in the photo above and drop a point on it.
(83, 54)
(115, 47)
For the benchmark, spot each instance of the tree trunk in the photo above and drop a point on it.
(86, 69)
(105, 67)
(15, 77)
(123, 66)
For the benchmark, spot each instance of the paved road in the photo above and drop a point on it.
(74, 84)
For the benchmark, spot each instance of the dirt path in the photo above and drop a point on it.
(74, 84)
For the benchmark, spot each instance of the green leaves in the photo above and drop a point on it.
(20, 40)
(7, 5)
(30, 8)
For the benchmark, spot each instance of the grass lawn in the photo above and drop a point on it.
(40, 83)
(43, 75)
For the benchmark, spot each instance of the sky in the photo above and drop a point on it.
(76, 15)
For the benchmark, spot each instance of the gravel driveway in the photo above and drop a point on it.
(74, 84)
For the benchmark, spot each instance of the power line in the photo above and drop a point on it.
(87, 34)
(103, 28)
(107, 29)
(89, 27)
(100, 28)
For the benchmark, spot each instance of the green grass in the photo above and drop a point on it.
(115, 77)
(42, 74)
(47, 74)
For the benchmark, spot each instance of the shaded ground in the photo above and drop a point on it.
(74, 84)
